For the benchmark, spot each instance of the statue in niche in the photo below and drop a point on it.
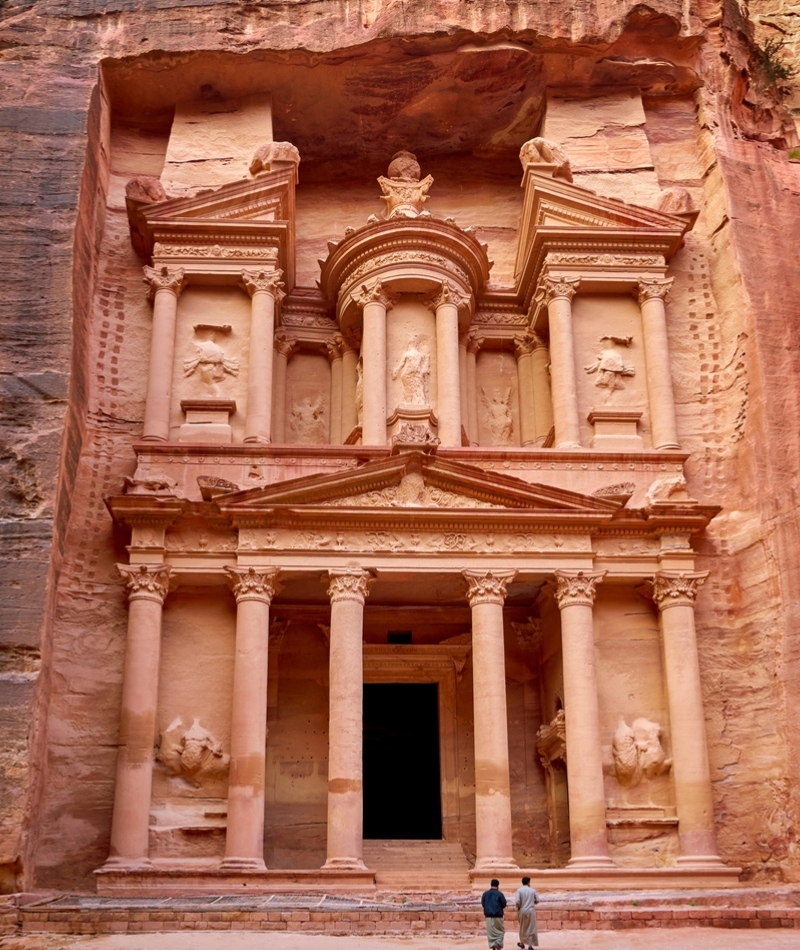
(210, 360)
(499, 420)
(414, 371)
(610, 366)
(637, 752)
(307, 419)
(192, 754)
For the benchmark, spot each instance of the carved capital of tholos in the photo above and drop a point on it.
(487, 587)
(351, 341)
(446, 293)
(571, 588)
(653, 288)
(335, 347)
(164, 278)
(553, 287)
(475, 342)
(526, 343)
(348, 585)
(375, 293)
(676, 590)
(266, 281)
(285, 345)
(247, 583)
(146, 582)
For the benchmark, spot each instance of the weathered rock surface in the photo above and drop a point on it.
(88, 97)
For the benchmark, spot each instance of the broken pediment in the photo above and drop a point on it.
(218, 231)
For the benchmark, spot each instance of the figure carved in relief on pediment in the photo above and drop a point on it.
(210, 361)
(413, 370)
(192, 754)
(637, 752)
(307, 419)
(610, 366)
(498, 418)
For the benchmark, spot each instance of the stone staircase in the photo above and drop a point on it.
(417, 865)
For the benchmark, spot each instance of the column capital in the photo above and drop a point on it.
(487, 587)
(475, 340)
(164, 278)
(146, 581)
(446, 293)
(526, 343)
(654, 287)
(266, 281)
(335, 346)
(351, 340)
(374, 293)
(575, 587)
(676, 589)
(247, 583)
(284, 344)
(553, 287)
(348, 584)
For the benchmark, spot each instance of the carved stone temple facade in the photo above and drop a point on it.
(407, 508)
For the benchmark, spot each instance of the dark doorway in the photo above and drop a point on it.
(402, 794)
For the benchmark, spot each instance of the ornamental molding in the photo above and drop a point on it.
(265, 251)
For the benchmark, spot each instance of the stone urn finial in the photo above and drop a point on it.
(403, 191)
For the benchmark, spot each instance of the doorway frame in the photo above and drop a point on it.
(442, 664)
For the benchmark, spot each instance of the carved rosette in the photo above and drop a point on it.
(348, 585)
(487, 587)
(247, 583)
(172, 279)
(676, 590)
(335, 346)
(263, 281)
(577, 588)
(553, 287)
(145, 581)
(655, 287)
(446, 293)
(285, 345)
(374, 293)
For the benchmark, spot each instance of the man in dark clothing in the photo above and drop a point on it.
(493, 902)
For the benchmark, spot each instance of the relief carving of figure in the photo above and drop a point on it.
(413, 371)
(610, 366)
(210, 360)
(499, 420)
(307, 419)
(193, 754)
(637, 752)
(360, 390)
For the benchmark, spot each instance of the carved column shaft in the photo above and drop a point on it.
(244, 840)
(542, 396)
(462, 378)
(559, 294)
(130, 824)
(264, 289)
(523, 348)
(166, 285)
(348, 591)
(335, 358)
(284, 347)
(375, 301)
(349, 387)
(574, 593)
(473, 346)
(675, 595)
(664, 427)
(446, 303)
(486, 595)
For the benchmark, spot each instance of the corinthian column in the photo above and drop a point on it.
(652, 294)
(446, 303)
(130, 823)
(348, 591)
(244, 840)
(474, 344)
(487, 592)
(523, 349)
(542, 396)
(349, 383)
(675, 595)
(165, 286)
(335, 347)
(375, 301)
(574, 593)
(264, 288)
(284, 347)
(558, 294)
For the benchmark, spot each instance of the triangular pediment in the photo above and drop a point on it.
(415, 480)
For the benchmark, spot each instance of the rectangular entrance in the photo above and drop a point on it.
(402, 783)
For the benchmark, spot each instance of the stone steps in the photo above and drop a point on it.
(417, 865)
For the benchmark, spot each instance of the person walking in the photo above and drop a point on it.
(525, 901)
(493, 903)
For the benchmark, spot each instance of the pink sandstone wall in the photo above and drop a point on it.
(73, 314)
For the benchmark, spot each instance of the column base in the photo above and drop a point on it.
(344, 864)
(118, 863)
(568, 446)
(591, 863)
(700, 861)
(496, 864)
(257, 439)
(243, 864)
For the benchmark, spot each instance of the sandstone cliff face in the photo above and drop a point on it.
(435, 75)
